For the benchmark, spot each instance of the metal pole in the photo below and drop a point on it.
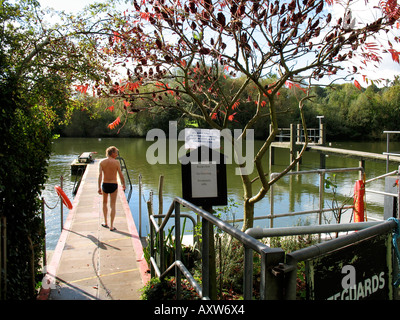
(61, 206)
(271, 205)
(387, 151)
(205, 270)
(271, 286)
(151, 244)
(248, 274)
(178, 249)
(161, 249)
(321, 195)
(212, 272)
(44, 243)
(398, 201)
(140, 206)
(290, 282)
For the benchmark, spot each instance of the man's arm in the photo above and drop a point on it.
(100, 179)
(121, 176)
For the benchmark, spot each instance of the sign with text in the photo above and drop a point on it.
(361, 271)
(195, 138)
(204, 178)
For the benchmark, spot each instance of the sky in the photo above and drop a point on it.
(387, 69)
(66, 5)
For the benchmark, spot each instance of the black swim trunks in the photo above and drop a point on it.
(109, 187)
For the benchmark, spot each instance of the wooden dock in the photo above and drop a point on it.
(295, 143)
(361, 155)
(91, 262)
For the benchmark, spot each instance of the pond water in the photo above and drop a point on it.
(291, 193)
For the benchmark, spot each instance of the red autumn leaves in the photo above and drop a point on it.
(115, 123)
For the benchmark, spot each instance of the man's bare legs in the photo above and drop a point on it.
(113, 200)
(105, 198)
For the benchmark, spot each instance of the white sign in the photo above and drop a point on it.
(204, 180)
(195, 138)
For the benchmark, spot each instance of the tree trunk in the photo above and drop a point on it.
(248, 215)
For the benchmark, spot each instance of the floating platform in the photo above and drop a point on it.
(78, 166)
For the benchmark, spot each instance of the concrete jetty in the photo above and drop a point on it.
(91, 262)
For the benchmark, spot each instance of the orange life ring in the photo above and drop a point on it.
(64, 197)
(359, 192)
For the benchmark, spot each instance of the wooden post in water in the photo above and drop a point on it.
(299, 141)
(293, 138)
(293, 145)
(160, 198)
(271, 153)
(321, 141)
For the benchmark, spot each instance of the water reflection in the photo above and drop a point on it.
(291, 193)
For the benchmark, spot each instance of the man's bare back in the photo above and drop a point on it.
(108, 184)
(108, 170)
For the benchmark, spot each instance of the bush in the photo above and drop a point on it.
(26, 147)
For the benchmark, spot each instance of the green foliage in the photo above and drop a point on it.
(157, 289)
(39, 64)
(349, 113)
(290, 244)
(26, 146)
(354, 114)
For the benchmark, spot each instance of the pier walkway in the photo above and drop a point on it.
(91, 262)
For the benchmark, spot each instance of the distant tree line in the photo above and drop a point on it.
(349, 113)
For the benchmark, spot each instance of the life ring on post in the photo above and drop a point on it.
(64, 197)
(359, 207)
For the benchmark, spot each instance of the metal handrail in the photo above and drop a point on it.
(314, 134)
(387, 153)
(289, 268)
(123, 167)
(321, 209)
(269, 256)
(364, 230)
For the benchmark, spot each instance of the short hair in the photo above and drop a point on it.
(111, 150)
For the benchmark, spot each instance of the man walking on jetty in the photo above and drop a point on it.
(108, 170)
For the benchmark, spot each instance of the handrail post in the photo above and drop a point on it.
(44, 226)
(271, 286)
(140, 206)
(290, 280)
(61, 206)
(248, 274)
(205, 270)
(161, 249)
(178, 248)
(387, 151)
(321, 195)
(271, 205)
(151, 244)
(152, 250)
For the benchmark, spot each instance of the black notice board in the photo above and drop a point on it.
(204, 181)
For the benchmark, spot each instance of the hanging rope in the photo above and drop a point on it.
(51, 208)
(396, 234)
